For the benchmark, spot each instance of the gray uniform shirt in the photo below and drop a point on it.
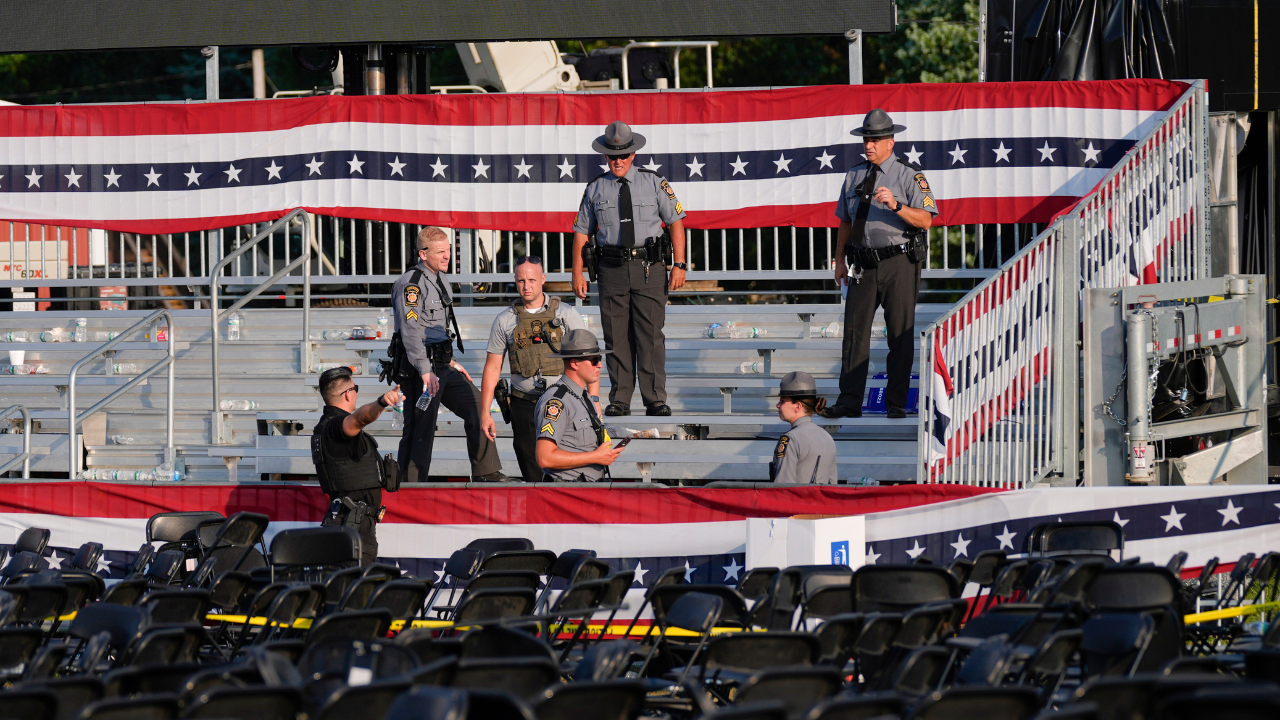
(885, 228)
(421, 314)
(653, 202)
(562, 416)
(504, 324)
(805, 454)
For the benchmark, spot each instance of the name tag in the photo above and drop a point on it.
(582, 423)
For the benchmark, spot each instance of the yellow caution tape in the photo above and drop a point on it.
(592, 628)
(1225, 613)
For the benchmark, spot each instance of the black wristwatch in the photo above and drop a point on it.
(681, 266)
(899, 208)
(595, 398)
(382, 400)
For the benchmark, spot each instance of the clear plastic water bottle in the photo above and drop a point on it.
(832, 330)
(397, 416)
(54, 335)
(105, 336)
(125, 369)
(425, 401)
(233, 327)
(167, 472)
(718, 330)
(132, 475)
(14, 337)
(238, 405)
(879, 330)
(90, 474)
(751, 368)
(384, 324)
(740, 333)
(123, 440)
(82, 329)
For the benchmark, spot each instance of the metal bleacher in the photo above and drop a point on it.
(723, 426)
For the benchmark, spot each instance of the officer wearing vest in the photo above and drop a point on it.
(624, 210)
(572, 443)
(528, 333)
(351, 471)
(806, 453)
(885, 207)
(422, 360)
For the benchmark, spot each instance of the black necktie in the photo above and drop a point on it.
(627, 238)
(448, 304)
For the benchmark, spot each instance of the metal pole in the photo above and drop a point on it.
(259, 62)
(375, 71)
(1137, 332)
(855, 56)
(403, 74)
(311, 231)
(982, 41)
(173, 364)
(210, 54)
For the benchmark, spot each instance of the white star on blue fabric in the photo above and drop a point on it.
(397, 167)
(824, 160)
(566, 170)
(314, 165)
(1002, 152)
(783, 163)
(872, 555)
(1006, 538)
(1091, 155)
(732, 569)
(688, 572)
(273, 170)
(1230, 514)
(695, 167)
(653, 165)
(73, 179)
(481, 169)
(233, 173)
(112, 178)
(33, 180)
(193, 177)
(915, 551)
(1046, 152)
(153, 177)
(957, 155)
(522, 169)
(913, 155)
(740, 166)
(961, 545)
(1116, 519)
(438, 169)
(1173, 519)
(103, 564)
(640, 571)
(356, 164)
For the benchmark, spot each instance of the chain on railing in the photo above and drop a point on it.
(1011, 346)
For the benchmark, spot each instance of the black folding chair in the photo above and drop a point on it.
(695, 612)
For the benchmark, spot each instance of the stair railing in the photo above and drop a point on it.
(25, 456)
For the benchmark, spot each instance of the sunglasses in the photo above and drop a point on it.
(353, 388)
(619, 157)
(596, 360)
(529, 259)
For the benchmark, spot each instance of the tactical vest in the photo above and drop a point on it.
(528, 349)
(342, 474)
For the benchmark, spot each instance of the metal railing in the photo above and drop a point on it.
(1011, 346)
(25, 456)
(217, 316)
(73, 419)
(675, 46)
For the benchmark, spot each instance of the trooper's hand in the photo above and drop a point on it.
(461, 369)
(885, 195)
(432, 383)
(606, 454)
(842, 273)
(393, 396)
(489, 427)
(580, 286)
(677, 278)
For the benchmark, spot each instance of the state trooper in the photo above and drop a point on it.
(351, 471)
(573, 445)
(624, 210)
(422, 359)
(528, 333)
(885, 207)
(805, 453)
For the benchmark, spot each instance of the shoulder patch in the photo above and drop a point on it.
(928, 201)
(781, 451)
(411, 295)
(411, 315)
(679, 208)
(666, 187)
(922, 183)
(548, 428)
(553, 409)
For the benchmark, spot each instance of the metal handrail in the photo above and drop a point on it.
(675, 56)
(444, 89)
(215, 317)
(169, 361)
(25, 457)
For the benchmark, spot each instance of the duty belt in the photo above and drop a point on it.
(648, 252)
(881, 254)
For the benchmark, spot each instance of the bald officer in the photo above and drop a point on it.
(625, 209)
(806, 453)
(572, 443)
(885, 206)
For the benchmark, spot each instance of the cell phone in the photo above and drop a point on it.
(623, 443)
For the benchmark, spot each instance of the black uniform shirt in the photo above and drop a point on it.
(338, 443)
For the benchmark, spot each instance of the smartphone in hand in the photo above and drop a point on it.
(623, 443)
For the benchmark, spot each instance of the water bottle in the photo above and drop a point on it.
(54, 335)
(751, 368)
(425, 401)
(717, 330)
(397, 417)
(879, 330)
(82, 329)
(105, 336)
(14, 337)
(233, 327)
(832, 330)
(132, 475)
(90, 475)
(125, 369)
(330, 335)
(122, 440)
(238, 405)
(740, 333)
(167, 472)
(384, 324)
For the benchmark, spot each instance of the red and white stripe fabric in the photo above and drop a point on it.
(998, 152)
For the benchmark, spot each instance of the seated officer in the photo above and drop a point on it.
(572, 444)
(351, 471)
(806, 453)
